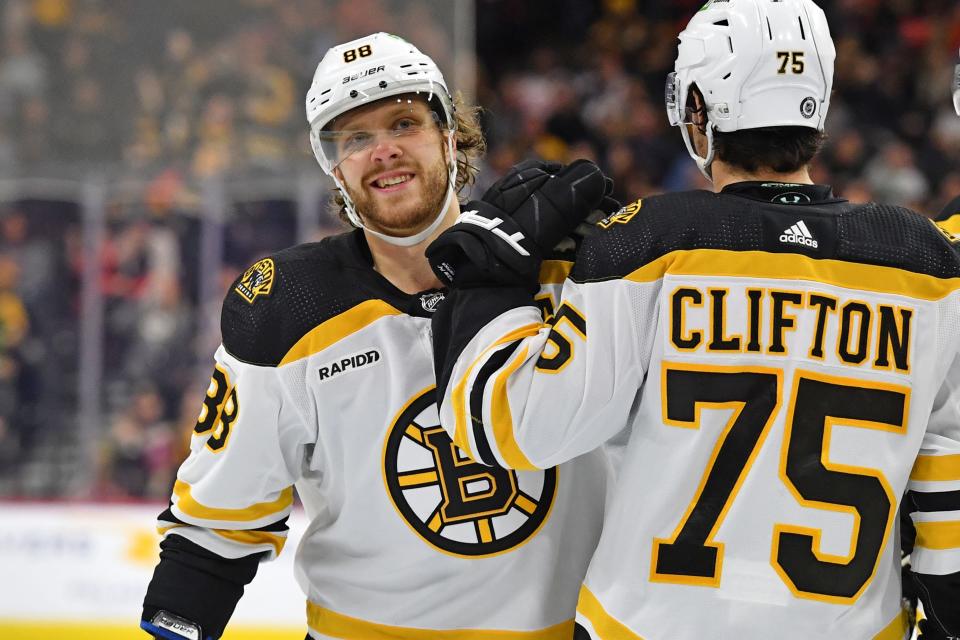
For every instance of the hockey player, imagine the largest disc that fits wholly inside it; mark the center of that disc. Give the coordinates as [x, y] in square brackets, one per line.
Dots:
[324, 381]
[787, 363]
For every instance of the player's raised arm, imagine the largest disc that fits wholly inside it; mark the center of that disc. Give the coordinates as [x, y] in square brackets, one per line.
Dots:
[502, 370]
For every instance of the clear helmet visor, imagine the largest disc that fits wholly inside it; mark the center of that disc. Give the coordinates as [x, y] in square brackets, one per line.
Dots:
[409, 124]
[672, 101]
[956, 89]
[677, 110]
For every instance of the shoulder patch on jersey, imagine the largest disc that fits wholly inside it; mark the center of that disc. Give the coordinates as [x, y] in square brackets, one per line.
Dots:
[951, 237]
[282, 297]
[623, 216]
[257, 280]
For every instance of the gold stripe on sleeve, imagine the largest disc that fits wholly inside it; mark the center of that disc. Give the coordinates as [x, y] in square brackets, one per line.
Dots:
[459, 394]
[253, 537]
[187, 504]
[502, 419]
[938, 535]
[936, 468]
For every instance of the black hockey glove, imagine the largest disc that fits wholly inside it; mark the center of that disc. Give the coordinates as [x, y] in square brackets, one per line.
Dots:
[486, 246]
[502, 238]
[525, 179]
[519, 183]
[931, 631]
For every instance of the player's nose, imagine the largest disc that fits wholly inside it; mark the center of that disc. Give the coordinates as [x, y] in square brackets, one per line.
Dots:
[385, 148]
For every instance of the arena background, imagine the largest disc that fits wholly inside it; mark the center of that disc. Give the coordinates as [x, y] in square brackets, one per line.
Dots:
[150, 151]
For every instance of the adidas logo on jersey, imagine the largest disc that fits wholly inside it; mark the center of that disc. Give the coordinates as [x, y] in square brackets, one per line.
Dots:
[349, 363]
[799, 234]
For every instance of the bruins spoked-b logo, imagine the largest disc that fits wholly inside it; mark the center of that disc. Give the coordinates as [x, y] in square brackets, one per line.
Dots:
[256, 281]
[455, 504]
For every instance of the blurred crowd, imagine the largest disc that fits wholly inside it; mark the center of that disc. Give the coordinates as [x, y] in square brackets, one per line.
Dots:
[170, 94]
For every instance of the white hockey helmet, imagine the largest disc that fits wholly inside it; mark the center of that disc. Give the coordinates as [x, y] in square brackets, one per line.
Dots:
[364, 71]
[758, 63]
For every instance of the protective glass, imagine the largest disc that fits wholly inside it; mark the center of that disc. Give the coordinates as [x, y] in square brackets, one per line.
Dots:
[956, 89]
[408, 127]
[677, 110]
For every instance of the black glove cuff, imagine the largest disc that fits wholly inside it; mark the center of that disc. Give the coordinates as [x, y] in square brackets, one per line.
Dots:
[197, 585]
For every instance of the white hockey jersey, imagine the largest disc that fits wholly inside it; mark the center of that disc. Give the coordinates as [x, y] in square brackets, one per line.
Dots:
[325, 381]
[787, 373]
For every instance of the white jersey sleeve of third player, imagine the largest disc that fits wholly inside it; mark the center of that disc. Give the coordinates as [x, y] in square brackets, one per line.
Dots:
[559, 391]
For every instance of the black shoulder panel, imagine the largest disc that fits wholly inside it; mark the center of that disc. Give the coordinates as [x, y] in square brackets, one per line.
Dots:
[896, 237]
[281, 298]
[870, 234]
[667, 223]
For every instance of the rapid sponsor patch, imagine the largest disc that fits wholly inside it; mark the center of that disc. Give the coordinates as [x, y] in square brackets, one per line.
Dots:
[452, 503]
[349, 363]
[257, 280]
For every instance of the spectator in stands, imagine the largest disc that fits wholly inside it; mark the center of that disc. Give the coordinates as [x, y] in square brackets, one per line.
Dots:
[14, 325]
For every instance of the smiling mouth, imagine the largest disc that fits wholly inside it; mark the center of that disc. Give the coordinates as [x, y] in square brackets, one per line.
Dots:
[392, 181]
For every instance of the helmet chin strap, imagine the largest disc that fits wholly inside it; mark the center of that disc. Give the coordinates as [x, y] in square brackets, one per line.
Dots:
[702, 163]
[408, 241]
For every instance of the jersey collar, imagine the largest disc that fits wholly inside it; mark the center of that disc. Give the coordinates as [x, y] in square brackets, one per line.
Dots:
[422, 303]
[783, 192]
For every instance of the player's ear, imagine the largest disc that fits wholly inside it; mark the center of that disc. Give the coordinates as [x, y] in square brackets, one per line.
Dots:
[338, 174]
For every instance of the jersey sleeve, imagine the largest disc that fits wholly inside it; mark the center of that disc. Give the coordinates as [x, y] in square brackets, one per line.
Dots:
[527, 393]
[933, 502]
[234, 492]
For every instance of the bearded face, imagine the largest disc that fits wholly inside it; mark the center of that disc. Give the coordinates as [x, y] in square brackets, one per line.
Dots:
[394, 165]
[409, 206]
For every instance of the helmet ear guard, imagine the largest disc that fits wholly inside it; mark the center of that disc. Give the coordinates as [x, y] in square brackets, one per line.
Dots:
[757, 63]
